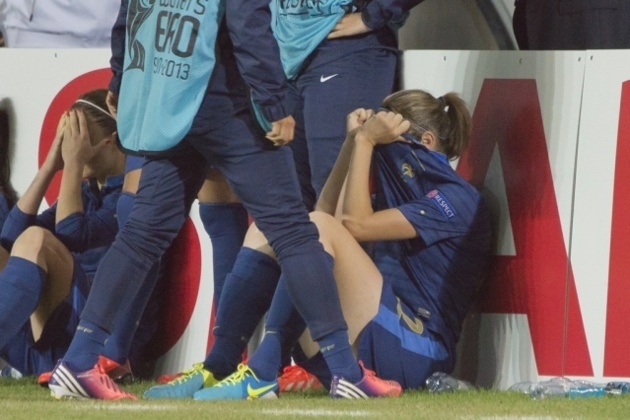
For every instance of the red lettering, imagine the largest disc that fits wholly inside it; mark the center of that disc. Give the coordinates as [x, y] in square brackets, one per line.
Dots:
[538, 281]
[618, 313]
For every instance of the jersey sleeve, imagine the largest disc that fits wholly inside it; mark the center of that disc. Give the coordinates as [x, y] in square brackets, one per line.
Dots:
[379, 13]
[17, 222]
[82, 231]
[257, 55]
[436, 218]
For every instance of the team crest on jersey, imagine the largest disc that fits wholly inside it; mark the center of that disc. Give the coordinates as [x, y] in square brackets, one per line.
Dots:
[407, 170]
[139, 12]
[442, 203]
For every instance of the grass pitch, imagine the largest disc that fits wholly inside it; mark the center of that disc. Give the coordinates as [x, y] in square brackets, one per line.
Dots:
[24, 399]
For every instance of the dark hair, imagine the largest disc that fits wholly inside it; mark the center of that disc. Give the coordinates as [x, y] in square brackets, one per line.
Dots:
[5, 164]
[100, 122]
[447, 117]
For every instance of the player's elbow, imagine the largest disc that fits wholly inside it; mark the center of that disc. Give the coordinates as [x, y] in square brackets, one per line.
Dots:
[356, 227]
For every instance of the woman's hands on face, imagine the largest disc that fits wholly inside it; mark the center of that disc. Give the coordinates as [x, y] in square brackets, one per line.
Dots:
[383, 127]
[357, 118]
[76, 147]
[54, 161]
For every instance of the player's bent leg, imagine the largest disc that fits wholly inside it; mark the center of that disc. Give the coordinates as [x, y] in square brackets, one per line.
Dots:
[41, 247]
[359, 282]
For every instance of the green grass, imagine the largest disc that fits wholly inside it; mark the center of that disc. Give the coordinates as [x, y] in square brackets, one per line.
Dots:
[24, 399]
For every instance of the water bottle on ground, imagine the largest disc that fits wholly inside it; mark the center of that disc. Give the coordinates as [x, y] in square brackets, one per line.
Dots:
[563, 387]
[592, 391]
[442, 382]
[617, 388]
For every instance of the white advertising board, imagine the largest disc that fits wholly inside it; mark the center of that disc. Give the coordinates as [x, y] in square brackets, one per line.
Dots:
[548, 146]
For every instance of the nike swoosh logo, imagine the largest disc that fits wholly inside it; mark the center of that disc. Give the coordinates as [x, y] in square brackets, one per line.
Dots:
[327, 78]
[255, 393]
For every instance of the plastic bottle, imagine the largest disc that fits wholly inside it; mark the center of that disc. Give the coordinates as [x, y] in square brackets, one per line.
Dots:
[617, 388]
[553, 388]
[540, 391]
[441, 382]
[523, 387]
[562, 387]
[9, 372]
[587, 392]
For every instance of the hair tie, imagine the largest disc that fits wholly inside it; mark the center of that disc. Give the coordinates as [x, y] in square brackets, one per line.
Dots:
[93, 105]
[442, 102]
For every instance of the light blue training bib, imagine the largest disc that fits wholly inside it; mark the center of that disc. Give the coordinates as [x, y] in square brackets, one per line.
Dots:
[169, 58]
[299, 26]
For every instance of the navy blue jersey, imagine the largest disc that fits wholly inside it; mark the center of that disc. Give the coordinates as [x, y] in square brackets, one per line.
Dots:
[438, 273]
[87, 235]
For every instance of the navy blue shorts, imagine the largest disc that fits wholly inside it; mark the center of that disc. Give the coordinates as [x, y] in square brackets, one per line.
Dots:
[34, 358]
[396, 345]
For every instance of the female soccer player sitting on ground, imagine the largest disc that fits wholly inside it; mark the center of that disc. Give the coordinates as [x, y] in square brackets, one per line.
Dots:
[54, 255]
[405, 303]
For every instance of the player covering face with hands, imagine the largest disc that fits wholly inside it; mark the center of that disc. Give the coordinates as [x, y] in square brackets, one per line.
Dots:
[405, 301]
[54, 254]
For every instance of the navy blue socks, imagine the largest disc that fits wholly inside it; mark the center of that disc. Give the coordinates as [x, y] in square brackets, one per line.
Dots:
[336, 349]
[284, 325]
[87, 344]
[21, 285]
[246, 298]
[226, 225]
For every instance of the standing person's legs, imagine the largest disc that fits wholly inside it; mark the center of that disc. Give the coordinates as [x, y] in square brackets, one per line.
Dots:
[167, 188]
[119, 344]
[359, 283]
[264, 178]
[247, 295]
[361, 79]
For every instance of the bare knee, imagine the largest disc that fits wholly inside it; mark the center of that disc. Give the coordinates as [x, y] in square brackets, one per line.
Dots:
[323, 220]
[327, 226]
[31, 242]
[42, 247]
